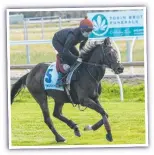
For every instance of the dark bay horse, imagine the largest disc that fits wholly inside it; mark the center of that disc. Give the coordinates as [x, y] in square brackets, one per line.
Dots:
[84, 91]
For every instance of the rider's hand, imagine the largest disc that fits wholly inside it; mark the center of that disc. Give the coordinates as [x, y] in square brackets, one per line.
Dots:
[79, 59]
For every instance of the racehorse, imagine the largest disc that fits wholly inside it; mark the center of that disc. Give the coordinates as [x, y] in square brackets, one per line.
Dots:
[84, 91]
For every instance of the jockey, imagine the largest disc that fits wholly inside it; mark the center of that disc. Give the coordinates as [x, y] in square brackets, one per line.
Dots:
[64, 41]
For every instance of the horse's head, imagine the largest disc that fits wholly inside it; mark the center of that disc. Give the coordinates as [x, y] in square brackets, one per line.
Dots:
[111, 57]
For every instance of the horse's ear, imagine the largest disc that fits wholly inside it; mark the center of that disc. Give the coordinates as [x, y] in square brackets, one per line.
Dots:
[107, 41]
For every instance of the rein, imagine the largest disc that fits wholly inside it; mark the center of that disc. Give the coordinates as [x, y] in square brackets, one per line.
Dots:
[92, 76]
[93, 64]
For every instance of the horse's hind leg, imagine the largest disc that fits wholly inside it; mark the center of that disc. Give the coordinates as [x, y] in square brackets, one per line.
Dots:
[41, 98]
[58, 114]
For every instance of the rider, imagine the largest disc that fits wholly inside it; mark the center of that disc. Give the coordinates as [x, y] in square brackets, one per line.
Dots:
[64, 42]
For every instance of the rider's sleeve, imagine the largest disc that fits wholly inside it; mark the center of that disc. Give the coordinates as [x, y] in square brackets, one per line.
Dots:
[83, 43]
[74, 50]
[69, 42]
[66, 54]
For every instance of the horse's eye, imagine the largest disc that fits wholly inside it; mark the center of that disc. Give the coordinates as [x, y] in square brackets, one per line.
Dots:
[110, 54]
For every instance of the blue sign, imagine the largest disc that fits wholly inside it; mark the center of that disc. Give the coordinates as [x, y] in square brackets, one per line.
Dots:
[117, 24]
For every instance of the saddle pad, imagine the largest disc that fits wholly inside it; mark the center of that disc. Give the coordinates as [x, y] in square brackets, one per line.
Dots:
[52, 79]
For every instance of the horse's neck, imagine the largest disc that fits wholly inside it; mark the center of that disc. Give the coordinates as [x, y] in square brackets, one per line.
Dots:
[96, 71]
[95, 57]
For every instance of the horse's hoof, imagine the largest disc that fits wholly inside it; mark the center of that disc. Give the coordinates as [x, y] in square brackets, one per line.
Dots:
[77, 132]
[60, 139]
[109, 137]
[87, 128]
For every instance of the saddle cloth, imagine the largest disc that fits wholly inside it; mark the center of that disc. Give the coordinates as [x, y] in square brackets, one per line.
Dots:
[53, 79]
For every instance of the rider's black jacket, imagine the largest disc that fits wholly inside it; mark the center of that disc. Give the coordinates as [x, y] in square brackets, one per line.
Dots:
[69, 38]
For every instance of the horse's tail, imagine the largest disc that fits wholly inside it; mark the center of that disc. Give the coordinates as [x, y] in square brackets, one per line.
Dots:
[17, 87]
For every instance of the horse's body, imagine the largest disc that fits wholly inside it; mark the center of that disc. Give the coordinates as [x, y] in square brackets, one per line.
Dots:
[84, 91]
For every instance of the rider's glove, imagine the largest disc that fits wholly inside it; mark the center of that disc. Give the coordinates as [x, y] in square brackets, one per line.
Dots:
[79, 59]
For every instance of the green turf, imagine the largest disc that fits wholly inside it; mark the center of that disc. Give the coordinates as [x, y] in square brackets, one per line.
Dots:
[127, 119]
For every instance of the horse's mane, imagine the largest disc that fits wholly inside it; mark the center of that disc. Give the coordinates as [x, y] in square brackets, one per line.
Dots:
[87, 50]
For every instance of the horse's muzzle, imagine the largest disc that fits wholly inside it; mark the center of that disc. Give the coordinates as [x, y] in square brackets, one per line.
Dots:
[119, 69]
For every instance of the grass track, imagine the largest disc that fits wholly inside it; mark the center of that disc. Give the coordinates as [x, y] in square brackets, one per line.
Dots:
[127, 120]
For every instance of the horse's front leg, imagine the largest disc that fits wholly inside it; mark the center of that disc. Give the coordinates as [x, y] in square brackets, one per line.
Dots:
[97, 101]
[95, 126]
[97, 107]
[99, 123]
